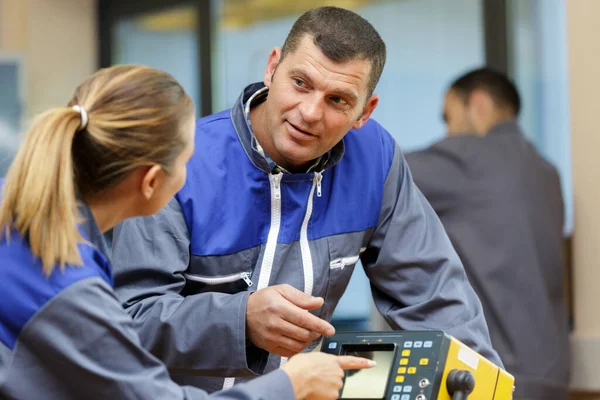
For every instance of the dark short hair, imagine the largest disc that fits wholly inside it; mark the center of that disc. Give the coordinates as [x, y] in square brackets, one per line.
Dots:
[495, 83]
[342, 36]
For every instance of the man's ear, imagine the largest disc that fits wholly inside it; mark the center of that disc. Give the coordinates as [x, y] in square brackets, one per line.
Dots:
[481, 101]
[367, 111]
[151, 181]
[274, 59]
[482, 111]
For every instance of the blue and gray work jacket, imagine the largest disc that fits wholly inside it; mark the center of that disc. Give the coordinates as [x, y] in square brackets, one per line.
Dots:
[237, 226]
[66, 336]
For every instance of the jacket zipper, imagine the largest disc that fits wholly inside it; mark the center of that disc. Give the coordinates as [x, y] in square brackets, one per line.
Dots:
[307, 263]
[218, 280]
[269, 255]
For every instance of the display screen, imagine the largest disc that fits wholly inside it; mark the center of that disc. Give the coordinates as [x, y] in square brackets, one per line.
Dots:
[368, 383]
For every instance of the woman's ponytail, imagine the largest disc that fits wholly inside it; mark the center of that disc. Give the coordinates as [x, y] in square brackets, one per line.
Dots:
[38, 194]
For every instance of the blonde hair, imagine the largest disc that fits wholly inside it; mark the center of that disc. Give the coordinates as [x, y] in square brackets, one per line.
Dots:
[136, 117]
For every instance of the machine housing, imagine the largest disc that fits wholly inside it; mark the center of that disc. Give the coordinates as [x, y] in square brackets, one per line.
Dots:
[414, 365]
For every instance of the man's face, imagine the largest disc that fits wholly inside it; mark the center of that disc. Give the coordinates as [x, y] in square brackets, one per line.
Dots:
[457, 115]
[313, 102]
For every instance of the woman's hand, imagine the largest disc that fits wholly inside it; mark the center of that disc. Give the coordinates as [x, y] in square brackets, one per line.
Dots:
[319, 376]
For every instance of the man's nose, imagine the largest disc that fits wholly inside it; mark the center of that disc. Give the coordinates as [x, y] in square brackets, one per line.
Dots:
[311, 108]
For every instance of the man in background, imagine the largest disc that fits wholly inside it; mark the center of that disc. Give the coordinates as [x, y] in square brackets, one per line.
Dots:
[502, 207]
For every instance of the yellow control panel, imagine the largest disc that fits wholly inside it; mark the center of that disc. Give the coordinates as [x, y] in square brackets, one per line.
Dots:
[418, 365]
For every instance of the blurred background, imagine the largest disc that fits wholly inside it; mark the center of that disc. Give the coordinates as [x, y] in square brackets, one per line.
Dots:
[216, 47]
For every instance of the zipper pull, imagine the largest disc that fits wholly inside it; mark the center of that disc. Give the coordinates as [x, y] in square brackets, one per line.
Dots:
[337, 264]
[319, 178]
[246, 278]
[276, 180]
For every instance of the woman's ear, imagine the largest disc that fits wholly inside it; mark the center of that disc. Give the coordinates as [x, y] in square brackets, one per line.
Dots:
[151, 181]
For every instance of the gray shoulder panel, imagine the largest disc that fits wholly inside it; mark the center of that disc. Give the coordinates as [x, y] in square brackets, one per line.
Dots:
[150, 258]
[82, 345]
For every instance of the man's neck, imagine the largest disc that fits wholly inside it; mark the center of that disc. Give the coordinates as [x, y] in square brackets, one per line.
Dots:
[259, 129]
[498, 120]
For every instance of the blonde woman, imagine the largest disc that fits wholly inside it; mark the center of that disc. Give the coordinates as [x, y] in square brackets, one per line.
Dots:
[118, 150]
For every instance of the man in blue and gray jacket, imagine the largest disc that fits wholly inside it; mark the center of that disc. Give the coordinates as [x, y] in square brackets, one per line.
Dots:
[285, 193]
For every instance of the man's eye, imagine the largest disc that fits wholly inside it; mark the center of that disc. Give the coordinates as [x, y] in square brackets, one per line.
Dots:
[298, 82]
[338, 100]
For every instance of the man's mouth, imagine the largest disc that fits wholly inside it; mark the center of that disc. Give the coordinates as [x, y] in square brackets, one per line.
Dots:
[297, 128]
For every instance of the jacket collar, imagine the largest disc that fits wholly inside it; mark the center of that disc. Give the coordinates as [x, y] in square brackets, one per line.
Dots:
[245, 134]
[506, 127]
[91, 232]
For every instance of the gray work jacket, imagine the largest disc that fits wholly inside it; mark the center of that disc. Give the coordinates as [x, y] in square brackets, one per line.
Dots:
[502, 207]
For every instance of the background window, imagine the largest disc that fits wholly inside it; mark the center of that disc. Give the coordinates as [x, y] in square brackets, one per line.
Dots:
[11, 106]
[166, 40]
[537, 45]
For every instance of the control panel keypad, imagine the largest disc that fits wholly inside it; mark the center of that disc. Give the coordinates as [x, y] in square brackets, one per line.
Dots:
[413, 367]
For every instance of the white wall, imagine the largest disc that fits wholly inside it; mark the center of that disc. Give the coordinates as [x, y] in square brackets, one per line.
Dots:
[56, 42]
[584, 64]
[61, 50]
